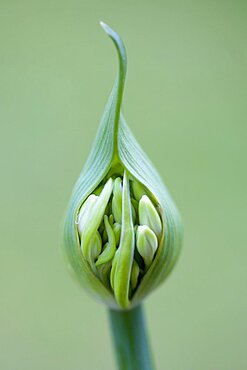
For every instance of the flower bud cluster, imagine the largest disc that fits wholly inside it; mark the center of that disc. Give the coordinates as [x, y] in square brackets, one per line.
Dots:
[120, 228]
[121, 239]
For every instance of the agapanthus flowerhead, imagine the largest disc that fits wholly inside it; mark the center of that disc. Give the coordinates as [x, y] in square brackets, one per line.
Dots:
[122, 229]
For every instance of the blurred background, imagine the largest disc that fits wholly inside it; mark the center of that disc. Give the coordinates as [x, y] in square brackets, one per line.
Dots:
[185, 101]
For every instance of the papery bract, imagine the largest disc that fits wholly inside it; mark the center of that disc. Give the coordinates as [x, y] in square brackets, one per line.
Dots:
[122, 230]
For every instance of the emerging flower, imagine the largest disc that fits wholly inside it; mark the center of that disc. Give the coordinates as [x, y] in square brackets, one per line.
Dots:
[122, 230]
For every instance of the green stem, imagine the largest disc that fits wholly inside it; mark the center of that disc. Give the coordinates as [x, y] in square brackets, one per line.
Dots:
[130, 339]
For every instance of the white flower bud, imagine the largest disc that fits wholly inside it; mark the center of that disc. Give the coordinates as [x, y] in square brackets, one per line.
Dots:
[149, 216]
[146, 244]
[85, 210]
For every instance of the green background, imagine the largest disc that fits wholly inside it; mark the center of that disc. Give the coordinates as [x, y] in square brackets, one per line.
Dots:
[185, 100]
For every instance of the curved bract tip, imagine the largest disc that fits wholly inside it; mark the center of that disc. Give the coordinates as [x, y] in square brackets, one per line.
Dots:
[118, 42]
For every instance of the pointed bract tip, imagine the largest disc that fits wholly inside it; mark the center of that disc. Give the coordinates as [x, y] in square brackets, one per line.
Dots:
[105, 27]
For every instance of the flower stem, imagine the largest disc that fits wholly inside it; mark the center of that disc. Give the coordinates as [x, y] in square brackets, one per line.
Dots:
[130, 339]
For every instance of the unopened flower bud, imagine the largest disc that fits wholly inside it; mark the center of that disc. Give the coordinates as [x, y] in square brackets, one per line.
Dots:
[85, 212]
[134, 275]
[146, 244]
[94, 218]
[122, 229]
[149, 216]
[95, 246]
[138, 190]
[117, 200]
[117, 231]
[110, 247]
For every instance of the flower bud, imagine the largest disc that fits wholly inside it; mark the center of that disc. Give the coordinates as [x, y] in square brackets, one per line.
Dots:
[149, 216]
[138, 190]
[117, 231]
[85, 211]
[146, 244]
[117, 200]
[95, 246]
[110, 247]
[134, 275]
[122, 229]
[94, 218]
